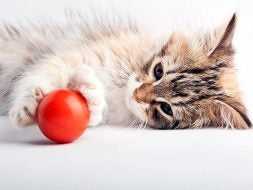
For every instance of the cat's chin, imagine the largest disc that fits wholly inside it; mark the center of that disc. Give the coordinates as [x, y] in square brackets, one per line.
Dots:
[136, 108]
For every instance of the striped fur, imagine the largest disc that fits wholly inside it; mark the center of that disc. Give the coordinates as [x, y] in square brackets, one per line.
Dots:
[199, 84]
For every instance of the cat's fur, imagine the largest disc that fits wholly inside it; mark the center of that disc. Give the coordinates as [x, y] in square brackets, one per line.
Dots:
[112, 64]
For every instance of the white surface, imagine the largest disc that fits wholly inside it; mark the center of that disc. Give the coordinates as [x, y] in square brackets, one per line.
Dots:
[108, 158]
[111, 158]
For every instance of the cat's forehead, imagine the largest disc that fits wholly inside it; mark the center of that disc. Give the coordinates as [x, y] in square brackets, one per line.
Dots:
[180, 53]
[184, 54]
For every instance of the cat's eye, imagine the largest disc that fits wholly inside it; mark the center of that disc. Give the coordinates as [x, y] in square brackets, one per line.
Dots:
[158, 71]
[166, 108]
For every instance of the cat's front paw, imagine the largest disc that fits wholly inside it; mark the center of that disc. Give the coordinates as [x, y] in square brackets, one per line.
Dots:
[23, 111]
[96, 103]
[87, 83]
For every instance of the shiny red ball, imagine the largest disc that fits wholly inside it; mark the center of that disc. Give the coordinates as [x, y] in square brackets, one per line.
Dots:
[63, 115]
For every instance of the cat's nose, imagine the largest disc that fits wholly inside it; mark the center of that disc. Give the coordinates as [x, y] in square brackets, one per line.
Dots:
[145, 93]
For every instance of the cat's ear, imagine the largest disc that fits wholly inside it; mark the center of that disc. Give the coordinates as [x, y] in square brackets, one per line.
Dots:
[224, 36]
[177, 43]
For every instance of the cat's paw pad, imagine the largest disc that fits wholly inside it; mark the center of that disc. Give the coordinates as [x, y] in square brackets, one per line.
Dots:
[24, 109]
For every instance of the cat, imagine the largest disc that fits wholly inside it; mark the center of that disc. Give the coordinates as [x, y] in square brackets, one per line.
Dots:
[125, 74]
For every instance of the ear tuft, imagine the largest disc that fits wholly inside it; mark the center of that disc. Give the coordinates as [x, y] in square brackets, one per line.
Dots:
[225, 36]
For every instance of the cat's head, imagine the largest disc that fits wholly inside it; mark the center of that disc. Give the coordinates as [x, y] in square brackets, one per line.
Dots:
[190, 83]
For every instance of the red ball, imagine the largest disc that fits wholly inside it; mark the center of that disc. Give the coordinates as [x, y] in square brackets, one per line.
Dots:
[63, 115]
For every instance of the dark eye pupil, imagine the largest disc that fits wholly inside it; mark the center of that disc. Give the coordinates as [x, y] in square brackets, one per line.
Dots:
[166, 108]
[158, 71]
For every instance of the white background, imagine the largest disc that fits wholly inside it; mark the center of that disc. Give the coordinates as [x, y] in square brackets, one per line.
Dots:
[109, 158]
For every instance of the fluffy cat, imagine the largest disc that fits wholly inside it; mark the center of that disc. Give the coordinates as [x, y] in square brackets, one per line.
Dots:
[187, 82]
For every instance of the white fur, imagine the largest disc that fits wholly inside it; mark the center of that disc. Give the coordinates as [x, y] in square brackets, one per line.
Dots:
[137, 109]
[50, 75]
[93, 62]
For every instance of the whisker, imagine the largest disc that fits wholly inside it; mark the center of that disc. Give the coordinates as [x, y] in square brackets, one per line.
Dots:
[123, 74]
[145, 124]
[141, 125]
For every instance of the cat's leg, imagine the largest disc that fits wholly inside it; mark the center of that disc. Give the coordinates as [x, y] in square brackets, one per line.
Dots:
[49, 75]
[36, 81]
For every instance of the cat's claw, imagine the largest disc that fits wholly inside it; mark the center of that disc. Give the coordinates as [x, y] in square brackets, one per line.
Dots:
[23, 111]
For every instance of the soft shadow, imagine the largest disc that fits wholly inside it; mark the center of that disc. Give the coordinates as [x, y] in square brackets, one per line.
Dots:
[25, 136]
[40, 142]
